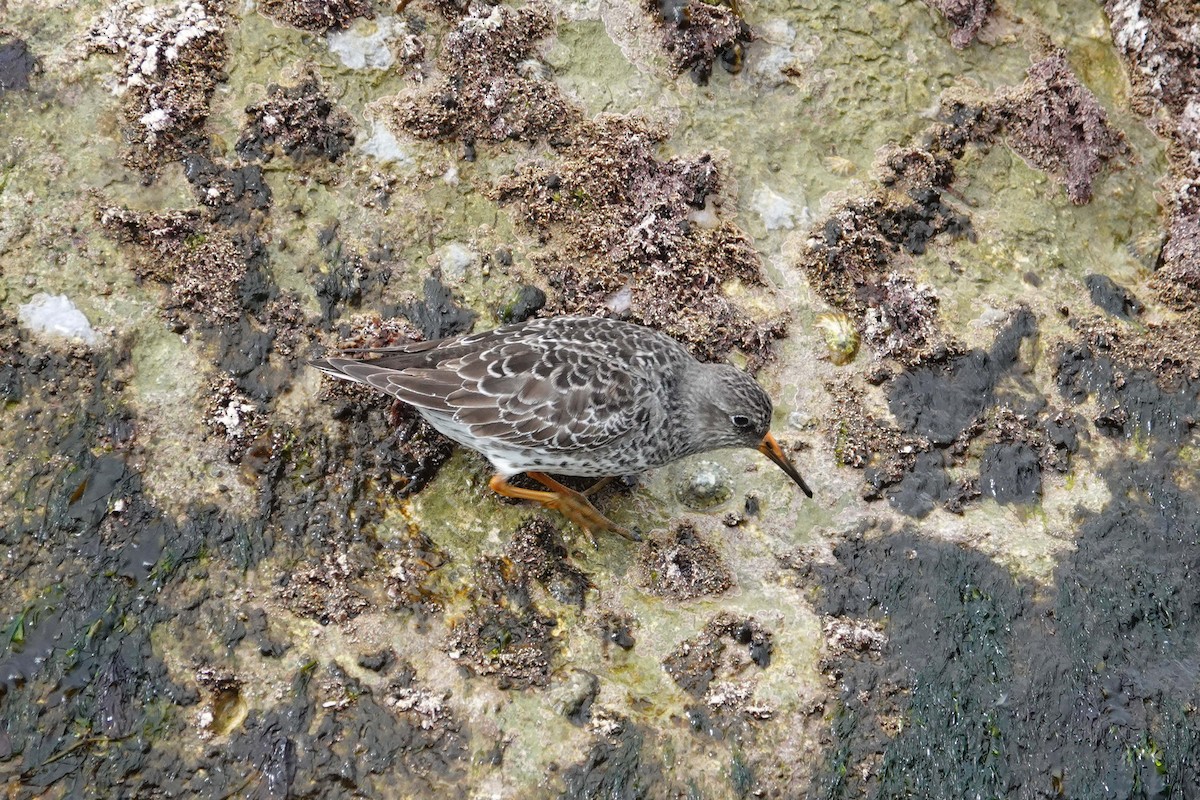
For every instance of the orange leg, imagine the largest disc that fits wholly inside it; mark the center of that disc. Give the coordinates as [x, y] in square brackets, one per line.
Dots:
[568, 502]
[597, 486]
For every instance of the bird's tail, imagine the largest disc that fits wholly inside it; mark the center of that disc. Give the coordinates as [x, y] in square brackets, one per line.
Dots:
[335, 368]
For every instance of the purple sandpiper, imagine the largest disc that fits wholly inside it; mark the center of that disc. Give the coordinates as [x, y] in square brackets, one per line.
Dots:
[578, 396]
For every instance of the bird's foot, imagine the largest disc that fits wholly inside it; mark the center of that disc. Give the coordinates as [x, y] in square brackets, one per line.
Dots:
[568, 502]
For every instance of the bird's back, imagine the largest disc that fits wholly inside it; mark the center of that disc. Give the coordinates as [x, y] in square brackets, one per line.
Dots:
[563, 394]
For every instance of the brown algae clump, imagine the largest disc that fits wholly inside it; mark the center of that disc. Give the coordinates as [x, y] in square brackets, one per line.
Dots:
[683, 566]
[696, 34]
[318, 16]
[626, 234]
[301, 121]
[966, 17]
[1056, 123]
[856, 257]
[487, 91]
[202, 264]
[630, 236]
[1162, 56]
[726, 647]
[174, 56]
[504, 633]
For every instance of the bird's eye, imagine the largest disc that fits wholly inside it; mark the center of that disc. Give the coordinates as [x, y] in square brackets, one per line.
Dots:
[740, 421]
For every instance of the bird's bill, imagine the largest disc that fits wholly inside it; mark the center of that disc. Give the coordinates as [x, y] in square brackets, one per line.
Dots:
[771, 449]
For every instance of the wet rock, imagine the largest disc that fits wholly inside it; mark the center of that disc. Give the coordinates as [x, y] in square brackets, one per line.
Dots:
[683, 566]
[527, 301]
[17, 63]
[573, 699]
[618, 629]
[703, 484]
[380, 661]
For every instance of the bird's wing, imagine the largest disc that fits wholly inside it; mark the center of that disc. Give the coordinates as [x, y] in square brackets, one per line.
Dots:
[522, 387]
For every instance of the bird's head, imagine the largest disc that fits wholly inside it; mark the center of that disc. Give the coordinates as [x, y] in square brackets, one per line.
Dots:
[732, 410]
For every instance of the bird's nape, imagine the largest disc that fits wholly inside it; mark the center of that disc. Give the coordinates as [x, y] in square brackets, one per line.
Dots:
[770, 448]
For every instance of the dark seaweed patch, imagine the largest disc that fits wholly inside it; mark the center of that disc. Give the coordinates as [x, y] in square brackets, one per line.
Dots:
[1011, 473]
[1134, 401]
[363, 742]
[1091, 691]
[939, 401]
[347, 278]
[1087, 690]
[93, 566]
[616, 768]
[924, 487]
[1114, 299]
[81, 683]
[438, 315]
[233, 192]
[943, 403]
[16, 65]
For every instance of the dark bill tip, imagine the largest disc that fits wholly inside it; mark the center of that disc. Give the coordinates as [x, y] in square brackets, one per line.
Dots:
[771, 449]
